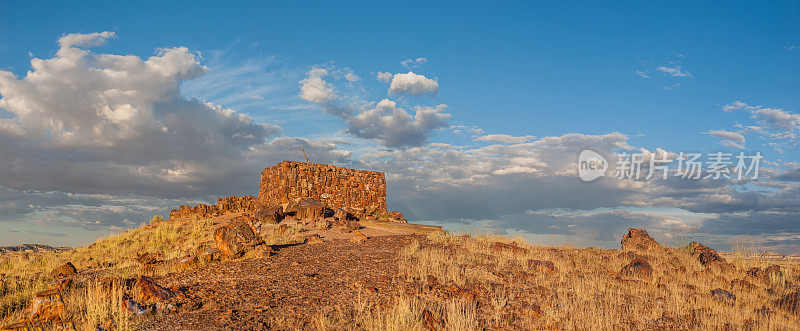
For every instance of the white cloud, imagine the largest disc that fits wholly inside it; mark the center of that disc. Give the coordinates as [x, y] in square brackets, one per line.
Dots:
[385, 77]
[675, 71]
[85, 40]
[413, 84]
[315, 89]
[351, 77]
[642, 74]
[414, 63]
[383, 121]
[780, 126]
[729, 138]
[395, 127]
[504, 138]
[88, 123]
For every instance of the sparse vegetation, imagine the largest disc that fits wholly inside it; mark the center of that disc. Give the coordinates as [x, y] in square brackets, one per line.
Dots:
[458, 282]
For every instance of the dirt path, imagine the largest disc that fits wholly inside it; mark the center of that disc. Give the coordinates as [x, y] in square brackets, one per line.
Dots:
[288, 290]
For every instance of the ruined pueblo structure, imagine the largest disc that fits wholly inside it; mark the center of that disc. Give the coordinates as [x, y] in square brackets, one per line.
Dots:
[361, 193]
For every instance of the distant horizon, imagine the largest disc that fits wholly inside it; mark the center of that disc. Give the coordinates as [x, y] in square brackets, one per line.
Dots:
[478, 114]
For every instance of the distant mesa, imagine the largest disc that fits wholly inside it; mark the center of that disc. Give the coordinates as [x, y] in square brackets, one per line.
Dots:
[31, 248]
[360, 193]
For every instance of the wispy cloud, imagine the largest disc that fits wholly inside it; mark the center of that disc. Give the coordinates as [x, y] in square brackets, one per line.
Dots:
[414, 63]
[676, 71]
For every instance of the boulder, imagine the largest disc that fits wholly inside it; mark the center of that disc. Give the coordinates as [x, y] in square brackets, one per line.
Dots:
[148, 291]
[773, 272]
[252, 222]
[638, 240]
[272, 214]
[65, 270]
[542, 266]
[306, 208]
[135, 308]
[342, 215]
[723, 296]
[358, 237]
[235, 239]
[706, 255]
[637, 268]
[47, 306]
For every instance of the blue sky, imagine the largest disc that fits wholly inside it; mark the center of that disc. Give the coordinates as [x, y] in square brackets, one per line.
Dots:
[659, 75]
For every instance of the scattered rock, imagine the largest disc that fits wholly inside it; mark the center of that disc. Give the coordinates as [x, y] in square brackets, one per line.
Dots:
[637, 268]
[773, 272]
[323, 224]
[148, 291]
[429, 322]
[265, 252]
[764, 311]
[359, 237]
[148, 258]
[638, 240]
[704, 254]
[513, 248]
[211, 255]
[742, 285]
[314, 239]
[630, 255]
[542, 266]
[135, 308]
[65, 270]
[789, 302]
[186, 262]
[352, 226]
[235, 239]
[723, 296]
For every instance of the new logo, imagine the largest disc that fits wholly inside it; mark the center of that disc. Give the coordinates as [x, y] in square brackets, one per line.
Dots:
[591, 165]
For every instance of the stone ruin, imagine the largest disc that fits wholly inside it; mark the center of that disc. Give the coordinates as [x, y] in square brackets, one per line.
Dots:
[361, 193]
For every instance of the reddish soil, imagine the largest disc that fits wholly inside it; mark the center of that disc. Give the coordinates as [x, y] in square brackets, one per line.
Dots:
[287, 290]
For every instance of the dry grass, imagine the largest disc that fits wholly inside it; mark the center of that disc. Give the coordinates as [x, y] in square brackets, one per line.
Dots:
[24, 274]
[585, 292]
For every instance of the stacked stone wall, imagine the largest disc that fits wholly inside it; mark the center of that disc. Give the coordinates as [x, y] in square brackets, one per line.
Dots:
[360, 192]
[231, 204]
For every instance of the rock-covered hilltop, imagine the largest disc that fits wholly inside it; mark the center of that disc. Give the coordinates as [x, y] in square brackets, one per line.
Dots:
[359, 193]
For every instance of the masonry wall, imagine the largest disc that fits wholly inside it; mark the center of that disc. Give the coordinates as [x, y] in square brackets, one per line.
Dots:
[357, 191]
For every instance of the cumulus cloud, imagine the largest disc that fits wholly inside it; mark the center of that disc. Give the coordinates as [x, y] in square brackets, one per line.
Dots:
[315, 89]
[413, 84]
[385, 77]
[383, 121]
[395, 127]
[117, 129]
[85, 39]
